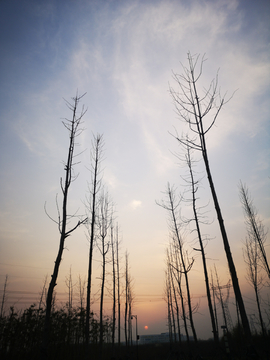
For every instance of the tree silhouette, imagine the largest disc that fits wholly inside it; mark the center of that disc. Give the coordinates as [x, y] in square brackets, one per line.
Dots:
[74, 130]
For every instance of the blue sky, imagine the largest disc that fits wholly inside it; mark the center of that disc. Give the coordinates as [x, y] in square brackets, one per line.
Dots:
[122, 54]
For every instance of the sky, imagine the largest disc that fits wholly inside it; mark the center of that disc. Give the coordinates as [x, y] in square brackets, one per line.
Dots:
[122, 54]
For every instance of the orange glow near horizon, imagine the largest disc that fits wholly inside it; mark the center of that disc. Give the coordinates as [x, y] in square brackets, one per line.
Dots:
[146, 327]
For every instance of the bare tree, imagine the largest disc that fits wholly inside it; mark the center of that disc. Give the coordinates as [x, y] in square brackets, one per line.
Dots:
[91, 208]
[224, 301]
[81, 287]
[74, 130]
[118, 286]
[113, 241]
[103, 224]
[251, 257]
[43, 293]
[255, 227]
[214, 301]
[171, 269]
[129, 298]
[194, 186]
[171, 312]
[70, 286]
[168, 301]
[4, 297]
[172, 206]
[199, 112]
[178, 276]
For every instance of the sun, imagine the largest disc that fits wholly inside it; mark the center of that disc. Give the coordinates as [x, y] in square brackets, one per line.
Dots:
[146, 327]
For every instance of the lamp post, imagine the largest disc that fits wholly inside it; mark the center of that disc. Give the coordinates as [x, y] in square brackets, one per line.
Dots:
[137, 337]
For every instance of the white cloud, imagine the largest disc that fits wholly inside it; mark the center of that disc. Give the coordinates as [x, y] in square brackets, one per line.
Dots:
[135, 204]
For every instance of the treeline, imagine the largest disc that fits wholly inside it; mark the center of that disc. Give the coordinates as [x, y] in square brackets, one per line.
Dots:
[198, 108]
[21, 332]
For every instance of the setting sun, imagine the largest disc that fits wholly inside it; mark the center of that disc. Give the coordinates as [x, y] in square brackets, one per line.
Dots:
[146, 327]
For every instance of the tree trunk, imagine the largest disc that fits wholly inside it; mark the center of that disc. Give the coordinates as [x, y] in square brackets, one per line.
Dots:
[193, 190]
[97, 150]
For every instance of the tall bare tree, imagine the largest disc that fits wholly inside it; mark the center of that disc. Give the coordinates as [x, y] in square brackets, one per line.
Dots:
[91, 208]
[172, 206]
[74, 129]
[255, 227]
[103, 224]
[200, 111]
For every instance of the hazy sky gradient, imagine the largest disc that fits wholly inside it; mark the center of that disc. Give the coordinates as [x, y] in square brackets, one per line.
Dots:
[122, 53]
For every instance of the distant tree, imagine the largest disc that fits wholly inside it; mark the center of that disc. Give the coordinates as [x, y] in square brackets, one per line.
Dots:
[223, 301]
[178, 277]
[172, 206]
[171, 312]
[81, 285]
[251, 257]
[4, 297]
[199, 112]
[74, 130]
[103, 225]
[91, 208]
[70, 286]
[255, 228]
[114, 234]
[171, 270]
[214, 301]
[129, 299]
[43, 293]
[118, 286]
[168, 301]
[194, 185]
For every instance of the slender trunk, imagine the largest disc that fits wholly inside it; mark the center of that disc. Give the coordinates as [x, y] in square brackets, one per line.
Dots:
[193, 189]
[236, 287]
[114, 289]
[92, 237]
[168, 306]
[4, 297]
[259, 310]
[126, 312]
[118, 289]
[178, 280]
[215, 308]
[171, 303]
[101, 329]
[177, 308]
[185, 271]
[96, 158]
[126, 303]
